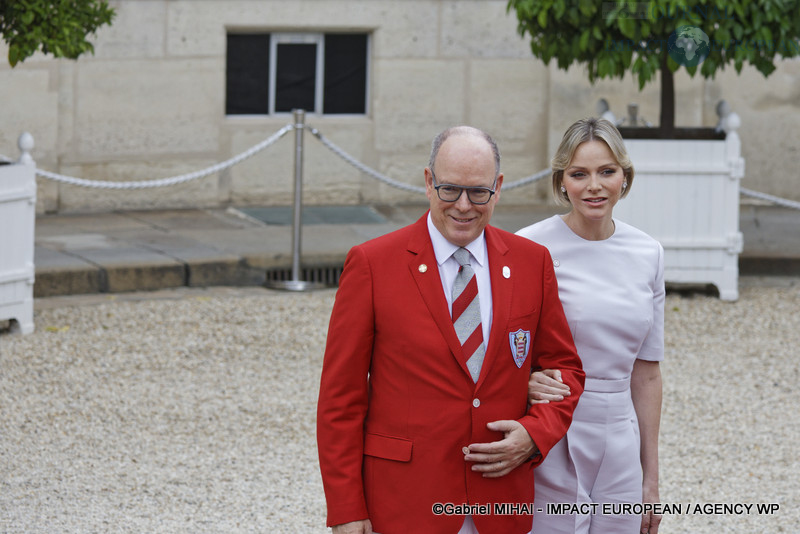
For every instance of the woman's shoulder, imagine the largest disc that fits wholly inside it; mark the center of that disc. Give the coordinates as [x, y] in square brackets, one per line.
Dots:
[541, 229]
[635, 238]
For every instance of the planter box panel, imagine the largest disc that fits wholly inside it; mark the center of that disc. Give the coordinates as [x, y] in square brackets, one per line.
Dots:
[686, 195]
[17, 219]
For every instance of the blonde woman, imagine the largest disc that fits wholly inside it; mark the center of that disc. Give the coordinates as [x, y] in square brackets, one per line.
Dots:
[611, 284]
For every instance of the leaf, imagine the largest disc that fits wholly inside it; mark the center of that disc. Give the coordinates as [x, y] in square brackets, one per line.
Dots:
[583, 43]
[627, 27]
[766, 68]
[13, 55]
[542, 18]
[587, 7]
[604, 67]
[757, 17]
[672, 65]
[559, 8]
[722, 36]
[709, 67]
[644, 28]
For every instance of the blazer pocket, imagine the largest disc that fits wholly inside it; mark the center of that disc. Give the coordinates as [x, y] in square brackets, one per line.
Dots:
[527, 320]
[387, 447]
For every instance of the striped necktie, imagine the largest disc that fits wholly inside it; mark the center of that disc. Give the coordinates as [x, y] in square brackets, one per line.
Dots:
[467, 313]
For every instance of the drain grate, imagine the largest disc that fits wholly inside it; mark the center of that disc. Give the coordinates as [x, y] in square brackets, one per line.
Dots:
[326, 274]
[283, 215]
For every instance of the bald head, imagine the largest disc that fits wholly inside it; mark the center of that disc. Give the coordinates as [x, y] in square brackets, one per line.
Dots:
[454, 131]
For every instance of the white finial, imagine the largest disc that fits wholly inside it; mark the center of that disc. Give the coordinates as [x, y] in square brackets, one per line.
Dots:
[25, 144]
[723, 108]
[723, 112]
[731, 122]
[604, 112]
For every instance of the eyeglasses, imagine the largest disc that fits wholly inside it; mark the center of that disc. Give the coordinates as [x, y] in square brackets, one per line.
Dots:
[451, 193]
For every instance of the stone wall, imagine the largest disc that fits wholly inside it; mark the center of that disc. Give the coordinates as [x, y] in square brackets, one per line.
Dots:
[151, 104]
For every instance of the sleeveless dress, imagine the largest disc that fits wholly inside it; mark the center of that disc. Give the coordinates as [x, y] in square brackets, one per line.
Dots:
[613, 297]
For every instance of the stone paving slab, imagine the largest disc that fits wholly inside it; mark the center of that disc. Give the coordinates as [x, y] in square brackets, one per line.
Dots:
[148, 250]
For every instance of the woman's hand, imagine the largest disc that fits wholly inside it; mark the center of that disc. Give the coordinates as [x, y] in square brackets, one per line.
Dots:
[546, 386]
[651, 520]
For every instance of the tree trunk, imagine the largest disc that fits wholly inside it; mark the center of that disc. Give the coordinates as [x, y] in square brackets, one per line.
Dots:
[667, 122]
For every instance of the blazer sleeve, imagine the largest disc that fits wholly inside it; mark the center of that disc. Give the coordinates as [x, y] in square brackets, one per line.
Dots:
[343, 394]
[553, 348]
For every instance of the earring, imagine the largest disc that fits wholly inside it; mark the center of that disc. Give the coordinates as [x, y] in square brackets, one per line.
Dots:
[624, 185]
[563, 189]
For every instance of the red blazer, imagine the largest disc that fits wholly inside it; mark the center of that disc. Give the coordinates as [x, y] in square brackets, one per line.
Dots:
[397, 403]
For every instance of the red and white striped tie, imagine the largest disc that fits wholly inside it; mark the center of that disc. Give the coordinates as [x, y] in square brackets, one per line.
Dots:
[467, 313]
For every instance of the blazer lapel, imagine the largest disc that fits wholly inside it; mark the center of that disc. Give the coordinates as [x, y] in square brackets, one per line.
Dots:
[502, 278]
[424, 270]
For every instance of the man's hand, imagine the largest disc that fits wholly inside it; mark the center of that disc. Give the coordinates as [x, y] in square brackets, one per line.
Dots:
[356, 527]
[546, 386]
[498, 458]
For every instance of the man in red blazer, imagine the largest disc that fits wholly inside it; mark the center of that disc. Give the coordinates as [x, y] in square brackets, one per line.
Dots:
[409, 440]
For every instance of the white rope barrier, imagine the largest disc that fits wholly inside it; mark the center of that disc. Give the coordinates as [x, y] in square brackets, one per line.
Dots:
[360, 166]
[770, 198]
[400, 185]
[163, 182]
[529, 180]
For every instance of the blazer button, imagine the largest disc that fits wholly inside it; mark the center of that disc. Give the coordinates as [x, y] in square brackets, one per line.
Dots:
[465, 450]
[476, 402]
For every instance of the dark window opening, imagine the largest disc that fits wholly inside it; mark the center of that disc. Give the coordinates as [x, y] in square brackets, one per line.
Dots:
[299, 77]
[345, 73]
[296, 81]
[247, 74]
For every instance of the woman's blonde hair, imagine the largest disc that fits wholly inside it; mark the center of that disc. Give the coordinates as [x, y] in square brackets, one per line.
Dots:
[581, 132]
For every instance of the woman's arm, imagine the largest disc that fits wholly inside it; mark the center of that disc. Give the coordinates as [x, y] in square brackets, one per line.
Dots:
[646, 394]
[546, 386]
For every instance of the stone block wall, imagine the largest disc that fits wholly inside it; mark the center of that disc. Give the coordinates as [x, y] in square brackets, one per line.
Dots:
[151, 104]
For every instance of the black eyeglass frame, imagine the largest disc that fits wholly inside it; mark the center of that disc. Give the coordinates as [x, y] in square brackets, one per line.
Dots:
[461, 190]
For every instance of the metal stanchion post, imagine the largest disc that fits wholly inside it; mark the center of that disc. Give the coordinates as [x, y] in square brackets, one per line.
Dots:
[295, 284]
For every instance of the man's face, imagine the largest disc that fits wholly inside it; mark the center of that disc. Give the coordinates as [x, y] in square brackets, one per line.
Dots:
[466, 161]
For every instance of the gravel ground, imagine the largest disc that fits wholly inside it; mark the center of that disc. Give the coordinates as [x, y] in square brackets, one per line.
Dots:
[193, 411]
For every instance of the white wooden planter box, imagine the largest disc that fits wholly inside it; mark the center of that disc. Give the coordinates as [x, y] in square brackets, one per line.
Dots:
[686, 195]
[17, 220]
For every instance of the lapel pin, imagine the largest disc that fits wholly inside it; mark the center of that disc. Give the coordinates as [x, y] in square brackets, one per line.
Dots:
[556, 263]
[506, 272]
[423, 267]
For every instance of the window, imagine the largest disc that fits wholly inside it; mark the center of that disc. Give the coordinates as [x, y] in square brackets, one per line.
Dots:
[279, 72]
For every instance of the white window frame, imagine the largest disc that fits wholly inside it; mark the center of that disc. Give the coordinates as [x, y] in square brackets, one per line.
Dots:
[297, 38]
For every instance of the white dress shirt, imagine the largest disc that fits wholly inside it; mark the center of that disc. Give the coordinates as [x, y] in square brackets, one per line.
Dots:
[448, 269]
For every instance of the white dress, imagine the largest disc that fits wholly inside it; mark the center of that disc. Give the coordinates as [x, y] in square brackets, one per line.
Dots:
[613, 297]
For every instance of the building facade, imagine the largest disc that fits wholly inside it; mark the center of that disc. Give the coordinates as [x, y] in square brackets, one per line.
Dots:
[175, 86]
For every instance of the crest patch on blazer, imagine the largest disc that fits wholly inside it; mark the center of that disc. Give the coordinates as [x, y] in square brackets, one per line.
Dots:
[520, 343]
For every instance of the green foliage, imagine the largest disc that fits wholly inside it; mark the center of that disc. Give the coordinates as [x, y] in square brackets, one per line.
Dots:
[615, 37]
[57, 27]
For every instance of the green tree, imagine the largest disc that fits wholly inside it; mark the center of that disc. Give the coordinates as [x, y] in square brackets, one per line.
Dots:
[57, 27]
[644, 38]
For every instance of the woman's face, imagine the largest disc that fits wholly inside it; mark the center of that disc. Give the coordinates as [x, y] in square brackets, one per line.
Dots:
[593, 180]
